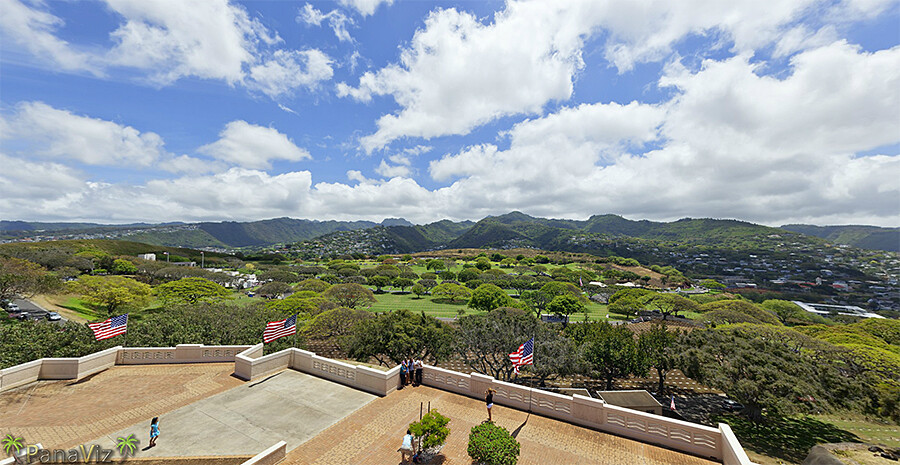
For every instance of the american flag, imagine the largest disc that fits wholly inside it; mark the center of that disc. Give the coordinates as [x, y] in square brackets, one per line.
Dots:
[672, 404]
[523, 356]
[280, 328]
[111, 327]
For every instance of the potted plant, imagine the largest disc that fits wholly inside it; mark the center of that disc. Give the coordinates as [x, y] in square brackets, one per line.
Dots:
[431, 432]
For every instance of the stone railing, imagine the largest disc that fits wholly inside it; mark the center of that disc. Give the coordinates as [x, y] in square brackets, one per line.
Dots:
[182, 353]
[719, 443]
[57, 368]
[250, 365]
[77, 368]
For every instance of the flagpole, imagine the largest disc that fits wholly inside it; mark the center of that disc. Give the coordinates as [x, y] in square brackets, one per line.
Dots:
[296, 315]
[531, 379]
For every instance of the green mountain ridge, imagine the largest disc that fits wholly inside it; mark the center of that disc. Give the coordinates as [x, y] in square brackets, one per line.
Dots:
[864, 237]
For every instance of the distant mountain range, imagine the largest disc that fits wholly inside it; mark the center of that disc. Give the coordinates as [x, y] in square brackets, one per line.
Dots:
[513, 229]
[864, 237]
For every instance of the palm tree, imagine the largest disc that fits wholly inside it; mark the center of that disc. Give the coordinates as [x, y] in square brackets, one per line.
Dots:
[11, 442]
[127, 446]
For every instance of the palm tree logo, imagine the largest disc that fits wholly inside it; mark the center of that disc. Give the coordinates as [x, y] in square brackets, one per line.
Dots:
[127, 446]
[12, 444]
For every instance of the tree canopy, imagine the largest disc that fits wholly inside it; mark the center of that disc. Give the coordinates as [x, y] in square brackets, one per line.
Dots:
[488, 297]
[350, 295]
[190, 291]
[112, 292]
[397, 335]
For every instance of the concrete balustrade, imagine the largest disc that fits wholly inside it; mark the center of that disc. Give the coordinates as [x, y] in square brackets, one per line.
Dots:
[250, 365]
[57, 368]
[716, 443]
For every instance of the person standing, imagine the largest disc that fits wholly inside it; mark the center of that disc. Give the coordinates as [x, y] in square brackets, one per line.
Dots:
[407, 447]
[403, 373]
[410, 370]
[489, 400]
[154, 431]
[420, 367]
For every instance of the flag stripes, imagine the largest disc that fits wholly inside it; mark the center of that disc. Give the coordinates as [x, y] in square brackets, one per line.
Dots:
[523, 356]
[280, 328]
[111, 327]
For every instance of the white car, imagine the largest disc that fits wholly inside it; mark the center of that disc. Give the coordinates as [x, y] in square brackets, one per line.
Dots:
[12, 308]
[53, 316]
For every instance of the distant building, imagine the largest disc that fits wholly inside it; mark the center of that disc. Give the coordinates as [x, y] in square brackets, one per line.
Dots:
[849, 310]
[148, 256]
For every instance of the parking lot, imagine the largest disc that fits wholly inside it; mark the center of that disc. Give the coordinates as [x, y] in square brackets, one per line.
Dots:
[26, 309]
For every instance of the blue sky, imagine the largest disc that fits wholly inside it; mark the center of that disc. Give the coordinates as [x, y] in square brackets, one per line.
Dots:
[161, 110]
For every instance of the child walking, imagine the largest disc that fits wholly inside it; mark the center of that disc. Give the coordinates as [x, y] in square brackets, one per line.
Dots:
[154, 431]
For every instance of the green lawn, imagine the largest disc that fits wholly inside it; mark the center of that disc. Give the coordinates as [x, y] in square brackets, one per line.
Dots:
[387, 302]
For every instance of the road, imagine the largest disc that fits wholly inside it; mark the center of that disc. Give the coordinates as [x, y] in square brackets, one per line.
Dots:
[32, 308]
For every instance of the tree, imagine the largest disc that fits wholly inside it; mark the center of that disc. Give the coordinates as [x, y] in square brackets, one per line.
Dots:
[402, 283]
[350, 295]
[395, 336]
[307, 302]
[565, 305]
[488, 297]
[467, 274]
[712, 284]
[521, 284]
[789, 312]
[454, 293]
[507, 262]
[419, 290]
[764, 368]
[112, 292]
[428, 284]
[278, 274]
[737, 311]
[273, 289]
[669, 304]
[658, 346]
[483, 264]
[122, 266]
[492, 445]
[435, 264]
[446, 275]
[379, 282]
[312, 284]
[23, 278]
[485, 341]
[555, 355]
[612, 353]
[336, 322]
[190, 291]
[431, 430]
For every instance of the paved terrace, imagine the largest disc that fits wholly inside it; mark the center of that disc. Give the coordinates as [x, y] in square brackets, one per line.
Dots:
[204, 410]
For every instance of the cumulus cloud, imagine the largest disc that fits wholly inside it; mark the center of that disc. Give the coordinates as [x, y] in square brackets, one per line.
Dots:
[365, 7]
[168, 40]
[42, 130]
[731, 144]
[392, 171]
[173, 39]
[251, 146]
[287, 71]
[337, 20]
[459, 72]
[34, 31]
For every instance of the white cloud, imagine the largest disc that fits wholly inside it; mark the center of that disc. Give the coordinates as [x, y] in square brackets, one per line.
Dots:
[172, 39]
[39, 186]
[365, 7]
[33, 30]
[251, 146]
[287, 71]
[459, 72]
[337, 20]
[42, 130]
[393, 171]
[167, 40]
[732, 144]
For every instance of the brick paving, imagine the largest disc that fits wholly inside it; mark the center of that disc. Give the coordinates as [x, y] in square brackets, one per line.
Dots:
[373, 433]
[63, 414]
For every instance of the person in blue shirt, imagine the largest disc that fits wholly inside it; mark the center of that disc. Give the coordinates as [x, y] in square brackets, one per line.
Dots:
[403, 370]
[154, 431]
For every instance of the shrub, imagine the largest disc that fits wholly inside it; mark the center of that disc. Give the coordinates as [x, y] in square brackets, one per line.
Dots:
[493, 445]
[432, 429]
